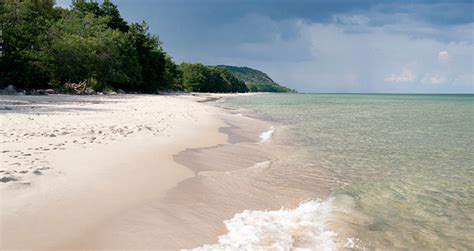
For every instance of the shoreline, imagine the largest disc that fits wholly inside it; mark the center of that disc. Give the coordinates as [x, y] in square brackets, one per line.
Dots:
[84, 186]
[190, 214]
[201, 170]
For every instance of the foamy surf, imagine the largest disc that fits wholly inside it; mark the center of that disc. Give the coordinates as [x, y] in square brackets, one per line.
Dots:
[302, 228]
[264, 136]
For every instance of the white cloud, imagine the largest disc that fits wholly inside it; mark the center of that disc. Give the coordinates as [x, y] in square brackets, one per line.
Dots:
[406, 75]
[369, 59]
[342, 57]
[443, 56]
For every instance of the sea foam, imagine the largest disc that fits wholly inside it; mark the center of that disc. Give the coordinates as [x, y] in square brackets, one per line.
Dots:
[302, 228]
[264, 136]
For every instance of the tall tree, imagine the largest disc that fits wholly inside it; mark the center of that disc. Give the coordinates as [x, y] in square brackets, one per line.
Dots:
[24, 25]
[151, 57]
[106, 9]
[85, 7]
[96, 54]
[116, 21]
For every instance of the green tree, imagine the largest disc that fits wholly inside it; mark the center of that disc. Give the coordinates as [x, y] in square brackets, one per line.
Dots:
[151, 57]
[200, 78]
[85, 7]
[24, 24]
[173, 76]
[236, 84]
[116, 21]
[194, 75]
[74, 47]
[106, 9]
[84, 48]
[47, 46]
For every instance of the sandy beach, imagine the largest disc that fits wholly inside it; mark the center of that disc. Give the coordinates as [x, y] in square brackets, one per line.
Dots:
[71, 164]
[131, 171]
[145, 172]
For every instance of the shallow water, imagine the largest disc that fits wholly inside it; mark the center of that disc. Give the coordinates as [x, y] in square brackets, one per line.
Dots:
[400, 168]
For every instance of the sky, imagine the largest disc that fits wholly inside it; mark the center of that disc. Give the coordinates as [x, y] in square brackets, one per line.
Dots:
[363, 46]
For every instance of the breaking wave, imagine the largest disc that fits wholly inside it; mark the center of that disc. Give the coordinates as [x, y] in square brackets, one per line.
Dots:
[302, 228]
[264, 136]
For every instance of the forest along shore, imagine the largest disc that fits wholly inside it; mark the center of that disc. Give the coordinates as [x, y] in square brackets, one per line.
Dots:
[69, 164]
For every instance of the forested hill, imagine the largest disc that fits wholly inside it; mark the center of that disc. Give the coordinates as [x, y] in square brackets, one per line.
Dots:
[256, 80]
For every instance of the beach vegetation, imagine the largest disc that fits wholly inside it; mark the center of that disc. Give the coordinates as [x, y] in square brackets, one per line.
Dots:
[201, 78]
[47, 46]
[256, 80]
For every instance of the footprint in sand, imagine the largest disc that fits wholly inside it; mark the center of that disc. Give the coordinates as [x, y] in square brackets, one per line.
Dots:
[6, 179]
[38, 171]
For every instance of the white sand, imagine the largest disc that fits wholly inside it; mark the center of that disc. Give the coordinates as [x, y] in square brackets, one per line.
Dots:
[71, 164]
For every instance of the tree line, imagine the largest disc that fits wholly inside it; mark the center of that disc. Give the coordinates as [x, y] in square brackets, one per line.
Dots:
[45, 46]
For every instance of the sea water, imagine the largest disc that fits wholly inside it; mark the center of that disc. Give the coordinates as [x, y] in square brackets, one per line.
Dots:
[400, 171]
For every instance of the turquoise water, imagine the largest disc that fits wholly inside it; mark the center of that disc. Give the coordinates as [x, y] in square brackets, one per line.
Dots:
[407, 161]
